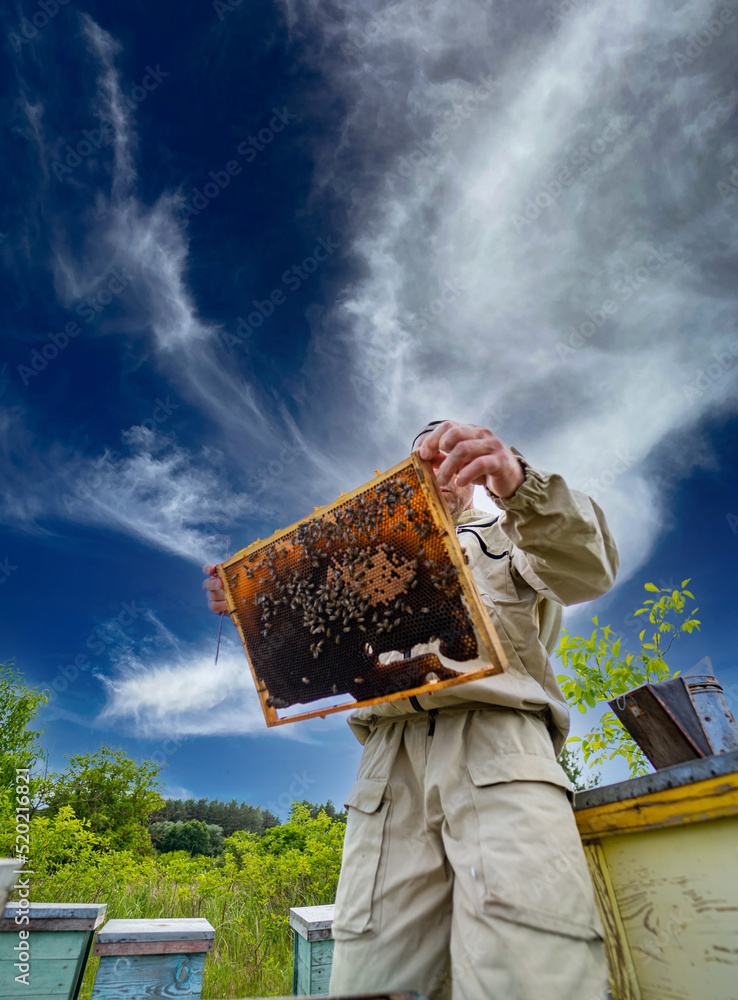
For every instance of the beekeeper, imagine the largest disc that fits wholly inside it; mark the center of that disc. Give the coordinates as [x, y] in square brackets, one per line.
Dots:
[463, 874]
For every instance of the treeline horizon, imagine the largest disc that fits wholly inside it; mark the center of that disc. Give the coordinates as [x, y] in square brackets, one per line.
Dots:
[230, 816]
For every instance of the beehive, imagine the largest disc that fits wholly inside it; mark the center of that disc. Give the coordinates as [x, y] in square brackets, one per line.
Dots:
[370, 597]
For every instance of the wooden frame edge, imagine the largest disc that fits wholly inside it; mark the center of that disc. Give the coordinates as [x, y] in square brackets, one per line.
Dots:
[472, 675]
[472, 597]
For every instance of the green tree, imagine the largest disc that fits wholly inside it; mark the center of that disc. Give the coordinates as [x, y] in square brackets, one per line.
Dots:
[230, 816]
[113, 793]
[600, 672]
[314, 810]
[20, 746]
[573, 769]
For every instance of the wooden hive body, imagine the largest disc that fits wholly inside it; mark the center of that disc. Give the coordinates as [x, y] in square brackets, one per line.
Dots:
[370, 597]
[58, 937]
[152, 958]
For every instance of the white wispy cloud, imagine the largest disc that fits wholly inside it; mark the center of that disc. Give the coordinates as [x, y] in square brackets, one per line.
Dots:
[185, 694]
[154, 491]
[479, 281]
[480, 263]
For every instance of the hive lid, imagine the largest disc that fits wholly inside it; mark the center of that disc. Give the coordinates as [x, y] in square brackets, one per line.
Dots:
[176, 929]
[311, 918]
[54, 916]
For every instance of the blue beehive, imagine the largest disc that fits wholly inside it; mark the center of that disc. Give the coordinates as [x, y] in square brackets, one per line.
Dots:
[313, 949]
[57, 938]
[155, 958]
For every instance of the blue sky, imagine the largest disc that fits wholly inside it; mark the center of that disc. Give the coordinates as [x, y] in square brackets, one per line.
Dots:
[248, 249]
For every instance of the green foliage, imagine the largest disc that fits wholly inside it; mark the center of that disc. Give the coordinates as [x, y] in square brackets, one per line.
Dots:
[314, 810]
[573, 769]
[246, 893]
[20, 746]
[192, 836]
[602, 671]
[230, 816]
[113, 793]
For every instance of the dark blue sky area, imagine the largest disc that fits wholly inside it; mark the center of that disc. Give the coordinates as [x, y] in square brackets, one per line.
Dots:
[226, 245]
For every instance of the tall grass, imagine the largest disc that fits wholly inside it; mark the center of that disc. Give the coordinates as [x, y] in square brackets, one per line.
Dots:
[246, 895]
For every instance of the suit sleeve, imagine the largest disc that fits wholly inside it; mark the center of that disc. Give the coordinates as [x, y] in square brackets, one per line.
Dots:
[562, 546]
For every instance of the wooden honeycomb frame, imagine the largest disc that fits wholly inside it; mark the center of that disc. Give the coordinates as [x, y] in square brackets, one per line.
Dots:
[247, 574]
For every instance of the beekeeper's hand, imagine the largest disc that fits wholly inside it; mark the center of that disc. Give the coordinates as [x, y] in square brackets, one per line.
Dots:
[214, 587]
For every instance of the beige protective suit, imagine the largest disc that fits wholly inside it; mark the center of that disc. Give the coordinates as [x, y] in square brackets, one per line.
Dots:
[463, 874]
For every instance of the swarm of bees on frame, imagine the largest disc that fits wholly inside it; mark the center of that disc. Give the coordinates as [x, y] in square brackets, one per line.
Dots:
[319, 606]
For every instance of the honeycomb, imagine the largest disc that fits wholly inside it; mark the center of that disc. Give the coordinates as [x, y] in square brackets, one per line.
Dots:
[335, 604]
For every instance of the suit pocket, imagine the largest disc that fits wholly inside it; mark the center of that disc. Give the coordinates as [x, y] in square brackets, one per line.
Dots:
[534, 869]
[369, 805]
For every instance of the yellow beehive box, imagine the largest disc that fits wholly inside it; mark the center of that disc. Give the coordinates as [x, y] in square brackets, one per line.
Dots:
[663, 854]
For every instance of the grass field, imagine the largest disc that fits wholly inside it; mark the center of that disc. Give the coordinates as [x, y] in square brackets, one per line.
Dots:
[246, 895]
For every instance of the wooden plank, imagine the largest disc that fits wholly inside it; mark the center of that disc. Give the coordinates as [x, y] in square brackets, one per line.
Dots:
[157, 929]
[304, 919]
[46, 944]
[688, 773]
[295, 969]
[31, 996]
[680, 806]
[677, 894]
[91, 913]
[82, 964]
[319, 979]
[49, 977]
[320, 713]
[321, 953]
[623, 978]
[149, 977]
[152, 947]
[56, 926]
[473, 598]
